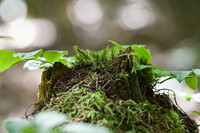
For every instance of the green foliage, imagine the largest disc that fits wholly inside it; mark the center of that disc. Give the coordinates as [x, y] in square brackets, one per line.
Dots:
[7, 59]
[54, 56]
[174, 122]
[192, 82]
[34, 61]
[84, 128]
[141, 58]
[117, 45]
[6, 37]
[17, 127]
[196, 112]
[91, 58]
[197, 72]
[45, 121]
[138, 55]
[188, 96]
[82, 105]
[51, 122]
[190, 77]
[142, 53]
[30, 55]
[180, 75]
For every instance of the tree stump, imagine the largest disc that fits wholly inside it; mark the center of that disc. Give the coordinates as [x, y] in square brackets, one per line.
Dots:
[104, 89]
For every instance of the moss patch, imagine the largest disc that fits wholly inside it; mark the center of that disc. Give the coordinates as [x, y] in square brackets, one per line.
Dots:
[82, 105]
[113, 88]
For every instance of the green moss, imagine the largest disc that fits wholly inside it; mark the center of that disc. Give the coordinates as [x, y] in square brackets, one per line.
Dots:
[116, 92]
[46, 87]
[82, 105]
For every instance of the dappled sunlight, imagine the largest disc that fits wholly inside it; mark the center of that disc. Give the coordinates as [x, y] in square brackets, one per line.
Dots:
[24, 33]
[11, 10]
[46, 33]
[86, 14]
[29, 33]
[135, 16]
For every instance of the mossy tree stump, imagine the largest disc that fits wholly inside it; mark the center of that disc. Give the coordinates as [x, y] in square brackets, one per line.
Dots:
[107, 88]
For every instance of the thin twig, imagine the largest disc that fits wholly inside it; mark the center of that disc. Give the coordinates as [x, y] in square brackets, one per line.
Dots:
[165, 80]
[74, 87]
[97, 86]
[106, 84]
[174, 98]
[25, 114]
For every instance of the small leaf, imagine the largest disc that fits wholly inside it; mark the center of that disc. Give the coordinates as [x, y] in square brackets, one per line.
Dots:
[158, 68]
[42, 59]
[142, 53]
[45, 65]
[140, 67]
[192, 82]
[198, 113]
[117, 45]
[196, 71]
[17, 126]
[84, 128]
[180, 75]
[6, 37]
[63, 61]
[188, 96]
[52, 55]
[33, 65]
[47, 120]
[7, 60]
[29, 55]
[161, 73]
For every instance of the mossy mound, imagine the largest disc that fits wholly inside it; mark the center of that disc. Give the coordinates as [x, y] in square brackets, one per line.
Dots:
[109, 88]
[82, 105]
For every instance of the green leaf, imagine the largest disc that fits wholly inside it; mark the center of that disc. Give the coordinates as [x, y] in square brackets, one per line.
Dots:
[192, 82]
[17, 126]
[140, 67]
[33, 65]
[84, 128]
[198, 113]
[180, 75]
[188, 96]
[52, 55]
[29, 55]
[158, 68]
[6, 37]
[142, 53]
[42, 59]
[161, 73]
[117, 45]
[196, 71]
[64, 62]
[7, 60]
[47, 120]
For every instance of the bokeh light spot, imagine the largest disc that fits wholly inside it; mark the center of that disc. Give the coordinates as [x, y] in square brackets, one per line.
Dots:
[11, 10]
[136, 16]
[46, 32]
[24, 33]
[87, 14]
[181, 58]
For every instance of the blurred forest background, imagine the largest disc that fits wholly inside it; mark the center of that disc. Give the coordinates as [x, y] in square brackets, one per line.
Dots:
[170, 28]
